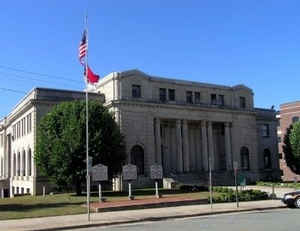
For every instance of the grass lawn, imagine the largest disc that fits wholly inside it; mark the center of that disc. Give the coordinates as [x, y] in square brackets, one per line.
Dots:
[67, 204]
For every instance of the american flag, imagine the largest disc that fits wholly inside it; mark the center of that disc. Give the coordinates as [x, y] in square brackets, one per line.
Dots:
[82, 48]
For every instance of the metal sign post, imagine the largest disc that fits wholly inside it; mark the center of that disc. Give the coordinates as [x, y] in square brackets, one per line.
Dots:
[210, 185]
[235, 166]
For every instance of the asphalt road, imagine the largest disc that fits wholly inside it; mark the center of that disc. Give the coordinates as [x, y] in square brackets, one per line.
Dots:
[273, 220]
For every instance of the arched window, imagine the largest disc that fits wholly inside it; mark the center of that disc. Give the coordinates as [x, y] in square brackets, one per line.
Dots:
[18, 164]
[137, 158]
[267, 158]
[14, 164]
[23, 163]
[245, 163]
[295, 119]
[29, 163]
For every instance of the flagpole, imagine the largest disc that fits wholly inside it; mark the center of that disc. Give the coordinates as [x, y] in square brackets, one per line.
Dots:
[87, 125]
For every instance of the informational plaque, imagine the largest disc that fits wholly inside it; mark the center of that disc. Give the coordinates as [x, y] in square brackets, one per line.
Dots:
[99, 172]
[129, 172]
[156, 171]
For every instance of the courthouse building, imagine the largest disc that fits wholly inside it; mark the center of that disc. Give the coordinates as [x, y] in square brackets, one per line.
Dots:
[187, 127]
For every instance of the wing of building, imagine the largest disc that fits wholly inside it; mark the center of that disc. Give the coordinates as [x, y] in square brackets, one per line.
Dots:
[184, 126]
[289, 113]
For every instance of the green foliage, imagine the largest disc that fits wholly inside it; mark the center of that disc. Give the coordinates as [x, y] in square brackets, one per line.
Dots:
[291, 147]
[278, 184]
[61, 143]
[294, 137]
[228, 195]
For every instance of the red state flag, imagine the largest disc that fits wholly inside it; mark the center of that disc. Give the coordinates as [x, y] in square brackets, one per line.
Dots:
[91, 77]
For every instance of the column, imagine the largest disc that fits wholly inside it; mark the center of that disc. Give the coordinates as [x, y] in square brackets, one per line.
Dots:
[204, 145]
[186, 153]
[211, 145]
[158, 141]
[179, 146]
[228, 147]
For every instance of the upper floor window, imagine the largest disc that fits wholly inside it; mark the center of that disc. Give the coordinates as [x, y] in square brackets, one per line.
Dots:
[213, 99]
[197, 97]
[242, 102]
[171, 94]
[295, 119]
[136, 91]
[29, 123]
[221, 100]
[162, 94]
[265, 130]
[189, 97]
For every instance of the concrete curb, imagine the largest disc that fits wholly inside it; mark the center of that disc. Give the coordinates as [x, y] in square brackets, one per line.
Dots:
[158, 218]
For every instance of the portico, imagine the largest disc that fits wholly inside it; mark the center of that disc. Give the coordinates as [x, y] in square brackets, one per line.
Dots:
[185, 146]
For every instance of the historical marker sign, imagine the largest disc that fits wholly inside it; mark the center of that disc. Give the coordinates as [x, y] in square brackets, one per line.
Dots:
[99, 172]
[156, 171]
[129, 172]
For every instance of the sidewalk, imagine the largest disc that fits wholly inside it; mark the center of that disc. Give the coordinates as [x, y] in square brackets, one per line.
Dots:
[130, 216]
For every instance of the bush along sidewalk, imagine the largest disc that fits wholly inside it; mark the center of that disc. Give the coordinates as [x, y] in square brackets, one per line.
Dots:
[279, 184]
[228, 195]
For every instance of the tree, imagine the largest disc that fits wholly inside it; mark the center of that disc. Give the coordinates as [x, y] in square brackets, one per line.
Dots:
[291, 147]
[61, 143]
[295, 144]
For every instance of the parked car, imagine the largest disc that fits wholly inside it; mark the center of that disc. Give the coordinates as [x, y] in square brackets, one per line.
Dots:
[292, 199]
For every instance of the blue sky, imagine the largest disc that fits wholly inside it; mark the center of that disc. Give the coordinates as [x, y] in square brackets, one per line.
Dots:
[255, 43]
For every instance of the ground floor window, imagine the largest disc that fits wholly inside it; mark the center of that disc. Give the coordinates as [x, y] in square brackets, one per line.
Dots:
[267, 159]
[245, 163]
[137, 158]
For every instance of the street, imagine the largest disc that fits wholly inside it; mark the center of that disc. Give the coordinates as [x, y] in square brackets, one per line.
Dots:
[275, 220]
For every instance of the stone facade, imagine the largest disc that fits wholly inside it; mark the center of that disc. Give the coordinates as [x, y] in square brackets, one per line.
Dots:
[18, 173]
[288, 114]
[182, 125]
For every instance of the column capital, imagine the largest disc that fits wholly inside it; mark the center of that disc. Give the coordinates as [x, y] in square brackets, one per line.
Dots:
[227, 124]
[203, 123]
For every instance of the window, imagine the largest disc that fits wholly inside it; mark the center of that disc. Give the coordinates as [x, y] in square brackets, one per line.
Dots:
[245, 165]
[280, 155]
[162, 94]
[189, 97]
[213, 99]
[267, 159]
[137, 158]
[221, 100]
[295, 119]
[265, 130]
[242, 102]
[136, 91]
[29, 123]
[172, 94]
[197, 97]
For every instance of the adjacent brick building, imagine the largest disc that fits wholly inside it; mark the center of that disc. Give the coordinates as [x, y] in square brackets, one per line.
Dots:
[289, 113]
